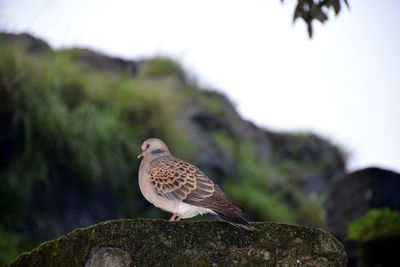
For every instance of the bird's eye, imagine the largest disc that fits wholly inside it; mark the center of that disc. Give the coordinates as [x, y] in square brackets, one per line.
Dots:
[147, 146]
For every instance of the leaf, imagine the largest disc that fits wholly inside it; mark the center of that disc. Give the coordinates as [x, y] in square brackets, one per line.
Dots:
[336, 6]
[317, 13]
[309, 29]
[315, 9]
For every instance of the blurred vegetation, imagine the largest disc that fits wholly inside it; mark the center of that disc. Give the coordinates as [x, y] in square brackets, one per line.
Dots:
[375, 224]
[64, 120]
[70, 134]
[161, 67]
[10, 246]
[254, 191]
[265, 200]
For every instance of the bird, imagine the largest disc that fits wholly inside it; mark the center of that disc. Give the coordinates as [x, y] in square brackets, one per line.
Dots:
[181, 188]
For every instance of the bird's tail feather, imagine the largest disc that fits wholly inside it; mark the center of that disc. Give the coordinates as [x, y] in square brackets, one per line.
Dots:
[235, 219]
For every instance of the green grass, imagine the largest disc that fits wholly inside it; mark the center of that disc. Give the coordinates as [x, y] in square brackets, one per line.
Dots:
[159, 67]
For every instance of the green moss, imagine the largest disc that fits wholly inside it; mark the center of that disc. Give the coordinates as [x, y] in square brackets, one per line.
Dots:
[375, 224]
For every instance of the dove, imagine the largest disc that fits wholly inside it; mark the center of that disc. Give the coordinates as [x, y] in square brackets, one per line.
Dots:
[181, 188]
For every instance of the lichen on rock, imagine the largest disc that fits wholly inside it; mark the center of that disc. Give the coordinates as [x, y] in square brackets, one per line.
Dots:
[108, 257]
[147, 242]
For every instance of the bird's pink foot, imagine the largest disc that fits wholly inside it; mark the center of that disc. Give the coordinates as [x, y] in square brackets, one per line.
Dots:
[173, 217]
[178, 218]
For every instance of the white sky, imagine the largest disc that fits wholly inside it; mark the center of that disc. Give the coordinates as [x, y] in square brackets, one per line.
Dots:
[344, 84]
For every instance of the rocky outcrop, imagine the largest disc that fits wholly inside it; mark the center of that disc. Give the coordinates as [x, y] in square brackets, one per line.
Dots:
[203, 121]
[188, 243]
[322, 160]
[98, 61]
[354, 194]
[327, 160]
[30, 43]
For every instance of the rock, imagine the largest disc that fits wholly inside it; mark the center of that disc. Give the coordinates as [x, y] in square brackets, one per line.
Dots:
[98, 61]
[112, 257]
[350, 197]
[30, 43]
[355, 193]
[144, 242]
[215, 161]
[310, 149]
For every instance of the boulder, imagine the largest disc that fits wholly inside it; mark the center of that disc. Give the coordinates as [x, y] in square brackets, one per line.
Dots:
[113, 65]
[356, 193]
[353, 195]
[147, 242]
[30, 43]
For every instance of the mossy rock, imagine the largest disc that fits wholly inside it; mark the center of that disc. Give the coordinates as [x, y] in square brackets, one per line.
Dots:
[146, 242]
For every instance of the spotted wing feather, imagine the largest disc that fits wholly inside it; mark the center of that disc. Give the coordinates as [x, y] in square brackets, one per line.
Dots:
[175, 179]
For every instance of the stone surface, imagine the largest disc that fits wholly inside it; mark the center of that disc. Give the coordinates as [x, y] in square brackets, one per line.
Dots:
[113, 65]
[108, 257]
[143, 242]
[30, 43]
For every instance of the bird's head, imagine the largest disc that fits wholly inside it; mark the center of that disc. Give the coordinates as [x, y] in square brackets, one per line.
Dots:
[153, 146]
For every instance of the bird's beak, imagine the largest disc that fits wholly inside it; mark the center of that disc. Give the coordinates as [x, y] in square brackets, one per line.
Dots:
[140, 155]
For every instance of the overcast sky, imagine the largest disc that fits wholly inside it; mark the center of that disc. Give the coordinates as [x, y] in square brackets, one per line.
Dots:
[344, 84]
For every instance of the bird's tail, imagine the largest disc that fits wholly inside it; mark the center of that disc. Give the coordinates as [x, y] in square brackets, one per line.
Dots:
[235, 219]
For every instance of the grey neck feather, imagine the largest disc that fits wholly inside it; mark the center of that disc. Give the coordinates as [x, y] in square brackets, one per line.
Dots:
[158, 151]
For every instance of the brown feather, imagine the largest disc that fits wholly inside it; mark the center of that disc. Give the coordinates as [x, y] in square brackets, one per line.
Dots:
[172, 177]
[179, 179]
[218, 201]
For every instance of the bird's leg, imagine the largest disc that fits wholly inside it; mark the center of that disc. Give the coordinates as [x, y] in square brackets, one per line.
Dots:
[172, 217]
[178, 218]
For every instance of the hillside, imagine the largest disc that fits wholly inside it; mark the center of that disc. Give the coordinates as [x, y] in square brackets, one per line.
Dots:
[72, 122]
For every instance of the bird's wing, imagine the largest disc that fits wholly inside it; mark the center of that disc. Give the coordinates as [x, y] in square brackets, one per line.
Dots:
[173, 178]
